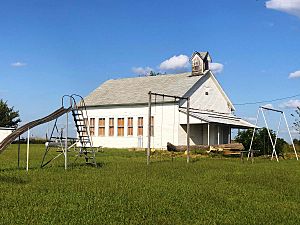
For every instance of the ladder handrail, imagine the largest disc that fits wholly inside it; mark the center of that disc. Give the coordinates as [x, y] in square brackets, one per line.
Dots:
[72, 101]
[82, 105]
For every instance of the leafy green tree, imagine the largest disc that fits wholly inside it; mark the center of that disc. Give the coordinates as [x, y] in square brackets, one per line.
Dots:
[296, 141]
[297, 119]
[261, 141]
[153, 73]
[8, 117]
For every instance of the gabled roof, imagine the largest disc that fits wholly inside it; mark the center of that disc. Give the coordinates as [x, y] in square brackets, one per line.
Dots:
[135, 90]
[202, 55]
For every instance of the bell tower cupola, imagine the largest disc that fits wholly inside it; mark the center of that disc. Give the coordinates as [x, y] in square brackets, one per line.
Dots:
[200, 63]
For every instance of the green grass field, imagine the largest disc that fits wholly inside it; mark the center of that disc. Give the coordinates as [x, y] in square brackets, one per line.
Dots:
[124, 190]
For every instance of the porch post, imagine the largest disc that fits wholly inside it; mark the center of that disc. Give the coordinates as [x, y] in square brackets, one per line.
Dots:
[218, 134]
[229, 134]
[207, 133]
[188, 130]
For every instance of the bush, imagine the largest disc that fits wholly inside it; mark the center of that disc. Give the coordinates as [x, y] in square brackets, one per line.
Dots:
[261, 141]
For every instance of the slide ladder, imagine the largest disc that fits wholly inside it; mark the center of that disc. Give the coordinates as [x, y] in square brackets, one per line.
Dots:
[81, 121]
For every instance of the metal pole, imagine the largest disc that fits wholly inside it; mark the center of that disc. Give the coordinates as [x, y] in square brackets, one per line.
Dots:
[269, 133]
[27, 156]
[149, 128]
[290, 136]
[19, 149]
[277, 133]
[66, 143]
[188, 130]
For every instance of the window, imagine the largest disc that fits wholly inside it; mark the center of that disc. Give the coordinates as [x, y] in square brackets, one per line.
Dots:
[92, 126]
[130, 126]
[85, 127]
[206, 93]
[196, 64]
[120, 126]
[152, 126]
[101, 127]
[140, 126]
[111, 127]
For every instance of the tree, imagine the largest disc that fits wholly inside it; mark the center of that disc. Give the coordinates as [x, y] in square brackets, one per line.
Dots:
[8, 117]
[261, 141]
[153, 73]
[296, 141]
[297, 120]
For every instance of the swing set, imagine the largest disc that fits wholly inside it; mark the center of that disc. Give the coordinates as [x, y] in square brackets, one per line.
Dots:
[150, 122]
[262, 110]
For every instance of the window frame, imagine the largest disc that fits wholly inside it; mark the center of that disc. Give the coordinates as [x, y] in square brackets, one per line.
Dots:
[152, 126]
[121, 126]
[92, 126]
[140, 126]
[130, 126]
[101, 127]
[111, 126]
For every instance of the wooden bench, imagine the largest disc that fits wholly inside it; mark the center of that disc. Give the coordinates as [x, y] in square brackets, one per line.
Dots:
[251, 151]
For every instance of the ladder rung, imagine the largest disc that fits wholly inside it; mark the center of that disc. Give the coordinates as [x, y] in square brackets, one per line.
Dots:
[93, 163]
[77, 114]
[86, 152]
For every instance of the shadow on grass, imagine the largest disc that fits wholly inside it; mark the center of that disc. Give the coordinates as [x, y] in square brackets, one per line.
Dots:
[84, 165]
[12, 180]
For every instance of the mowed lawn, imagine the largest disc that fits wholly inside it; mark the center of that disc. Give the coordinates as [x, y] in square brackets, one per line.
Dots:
[124, 190]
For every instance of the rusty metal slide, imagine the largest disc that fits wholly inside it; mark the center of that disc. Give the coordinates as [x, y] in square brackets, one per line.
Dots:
[18, 132]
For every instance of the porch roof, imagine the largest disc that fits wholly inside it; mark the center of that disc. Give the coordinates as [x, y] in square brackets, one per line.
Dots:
[219, 118]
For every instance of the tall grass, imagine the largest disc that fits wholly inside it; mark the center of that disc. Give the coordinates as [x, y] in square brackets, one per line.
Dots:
[124, 190]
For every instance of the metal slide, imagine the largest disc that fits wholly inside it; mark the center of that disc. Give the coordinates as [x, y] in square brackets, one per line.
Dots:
[18, 132]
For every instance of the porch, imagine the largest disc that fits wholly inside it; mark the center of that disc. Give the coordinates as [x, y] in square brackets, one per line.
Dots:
[210, 128]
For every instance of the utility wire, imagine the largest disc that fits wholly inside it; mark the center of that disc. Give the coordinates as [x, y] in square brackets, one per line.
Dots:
[266, 101]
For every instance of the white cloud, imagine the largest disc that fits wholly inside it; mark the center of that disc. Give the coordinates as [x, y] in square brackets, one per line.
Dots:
[18, 64]
[175, 63]
[216, 67]
[292, 104]
[288, 6]
[142, 70]
[295, 74]
[270, 106]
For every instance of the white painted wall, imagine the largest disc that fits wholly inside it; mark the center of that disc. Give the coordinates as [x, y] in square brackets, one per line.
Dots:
[166, 120]
[4, 132]
[214, 101]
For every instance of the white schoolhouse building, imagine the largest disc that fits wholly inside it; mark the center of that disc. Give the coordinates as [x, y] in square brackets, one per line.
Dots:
[118, 110]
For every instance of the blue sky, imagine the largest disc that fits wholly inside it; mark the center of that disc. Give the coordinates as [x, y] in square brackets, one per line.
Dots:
[52, 48]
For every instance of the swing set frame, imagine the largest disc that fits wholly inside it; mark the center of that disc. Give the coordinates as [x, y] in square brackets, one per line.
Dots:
[187, 99]
[261, 110]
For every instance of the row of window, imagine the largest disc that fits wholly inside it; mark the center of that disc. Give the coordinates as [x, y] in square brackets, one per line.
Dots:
[120, 126]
